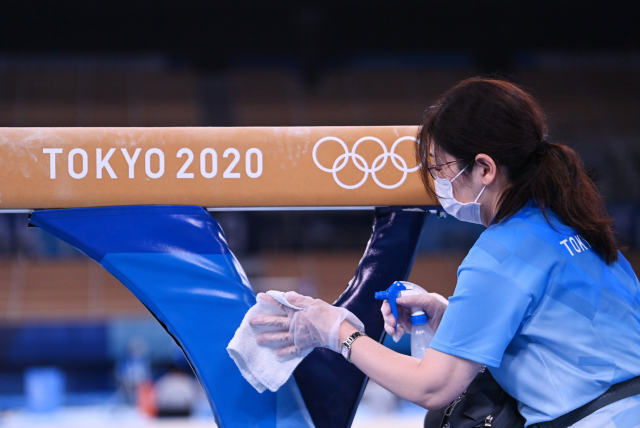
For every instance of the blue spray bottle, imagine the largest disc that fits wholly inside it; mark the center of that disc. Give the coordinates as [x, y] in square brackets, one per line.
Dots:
[421, 333]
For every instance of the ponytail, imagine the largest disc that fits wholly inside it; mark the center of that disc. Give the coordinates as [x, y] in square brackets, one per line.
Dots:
[503, 121]
[559, 182]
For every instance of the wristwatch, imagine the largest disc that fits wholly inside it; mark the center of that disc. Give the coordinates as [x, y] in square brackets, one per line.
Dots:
[345, 349]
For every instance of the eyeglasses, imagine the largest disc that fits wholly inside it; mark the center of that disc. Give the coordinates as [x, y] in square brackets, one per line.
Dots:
[434, 169]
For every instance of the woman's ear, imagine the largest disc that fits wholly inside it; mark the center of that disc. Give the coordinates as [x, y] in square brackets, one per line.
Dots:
[488, 169]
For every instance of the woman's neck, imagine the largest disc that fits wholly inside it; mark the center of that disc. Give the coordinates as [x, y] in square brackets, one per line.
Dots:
[490, 199]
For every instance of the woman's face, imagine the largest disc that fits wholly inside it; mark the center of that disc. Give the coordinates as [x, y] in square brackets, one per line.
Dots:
[467, 186]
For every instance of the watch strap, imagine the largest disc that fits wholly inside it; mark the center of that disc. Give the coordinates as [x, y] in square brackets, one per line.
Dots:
[346, 345]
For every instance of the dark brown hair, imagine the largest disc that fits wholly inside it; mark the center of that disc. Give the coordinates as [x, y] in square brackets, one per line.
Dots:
[501, 120]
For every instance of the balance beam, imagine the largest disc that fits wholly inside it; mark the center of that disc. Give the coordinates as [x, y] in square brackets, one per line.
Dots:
[217, 168]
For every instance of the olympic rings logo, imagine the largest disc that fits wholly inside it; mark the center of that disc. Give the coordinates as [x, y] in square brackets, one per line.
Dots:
[360, 162]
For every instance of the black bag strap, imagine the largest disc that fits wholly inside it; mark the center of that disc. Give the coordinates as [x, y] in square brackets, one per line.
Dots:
[617, 392]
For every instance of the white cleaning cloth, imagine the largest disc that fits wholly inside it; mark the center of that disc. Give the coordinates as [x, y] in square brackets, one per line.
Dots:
[259, 364]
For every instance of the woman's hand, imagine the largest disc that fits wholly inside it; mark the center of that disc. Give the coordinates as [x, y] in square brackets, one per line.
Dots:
[433, 305]
[316, 324]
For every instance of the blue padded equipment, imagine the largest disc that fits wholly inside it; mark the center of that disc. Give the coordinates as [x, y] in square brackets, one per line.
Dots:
[331, 386]
[175, 260]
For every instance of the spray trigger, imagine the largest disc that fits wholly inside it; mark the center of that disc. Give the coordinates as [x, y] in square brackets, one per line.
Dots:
[391, 294]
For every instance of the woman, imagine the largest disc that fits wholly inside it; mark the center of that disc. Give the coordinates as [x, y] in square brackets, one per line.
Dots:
[544, 298]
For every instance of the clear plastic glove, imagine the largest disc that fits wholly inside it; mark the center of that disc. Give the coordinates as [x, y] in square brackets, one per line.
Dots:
[316, 324]
[433, 305]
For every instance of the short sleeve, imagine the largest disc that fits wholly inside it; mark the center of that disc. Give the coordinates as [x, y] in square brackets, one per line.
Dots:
[483, 316]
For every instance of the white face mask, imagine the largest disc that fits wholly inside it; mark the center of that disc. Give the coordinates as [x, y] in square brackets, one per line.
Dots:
[469, 212]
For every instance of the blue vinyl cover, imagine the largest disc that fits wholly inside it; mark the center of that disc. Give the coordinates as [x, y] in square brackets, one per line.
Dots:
[331, 386]
[176, 261]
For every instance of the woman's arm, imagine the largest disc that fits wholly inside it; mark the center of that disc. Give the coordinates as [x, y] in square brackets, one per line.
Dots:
[432, 382]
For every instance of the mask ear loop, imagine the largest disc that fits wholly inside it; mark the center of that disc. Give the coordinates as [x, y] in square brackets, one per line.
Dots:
[458, 174]
[480, 194]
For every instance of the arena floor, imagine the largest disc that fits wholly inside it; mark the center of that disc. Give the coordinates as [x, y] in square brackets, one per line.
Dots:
[379, 408]
[95, 417]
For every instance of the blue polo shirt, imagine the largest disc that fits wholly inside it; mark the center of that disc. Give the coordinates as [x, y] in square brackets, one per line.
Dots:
[555, 325]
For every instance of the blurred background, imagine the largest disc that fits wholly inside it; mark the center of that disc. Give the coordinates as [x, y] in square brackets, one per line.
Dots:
[77, 349]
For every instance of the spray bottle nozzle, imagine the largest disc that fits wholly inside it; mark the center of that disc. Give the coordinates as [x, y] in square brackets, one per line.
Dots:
[391, 294]
[382, 295]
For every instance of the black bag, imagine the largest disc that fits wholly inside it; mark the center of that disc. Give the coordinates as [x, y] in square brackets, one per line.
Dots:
[483, 404]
